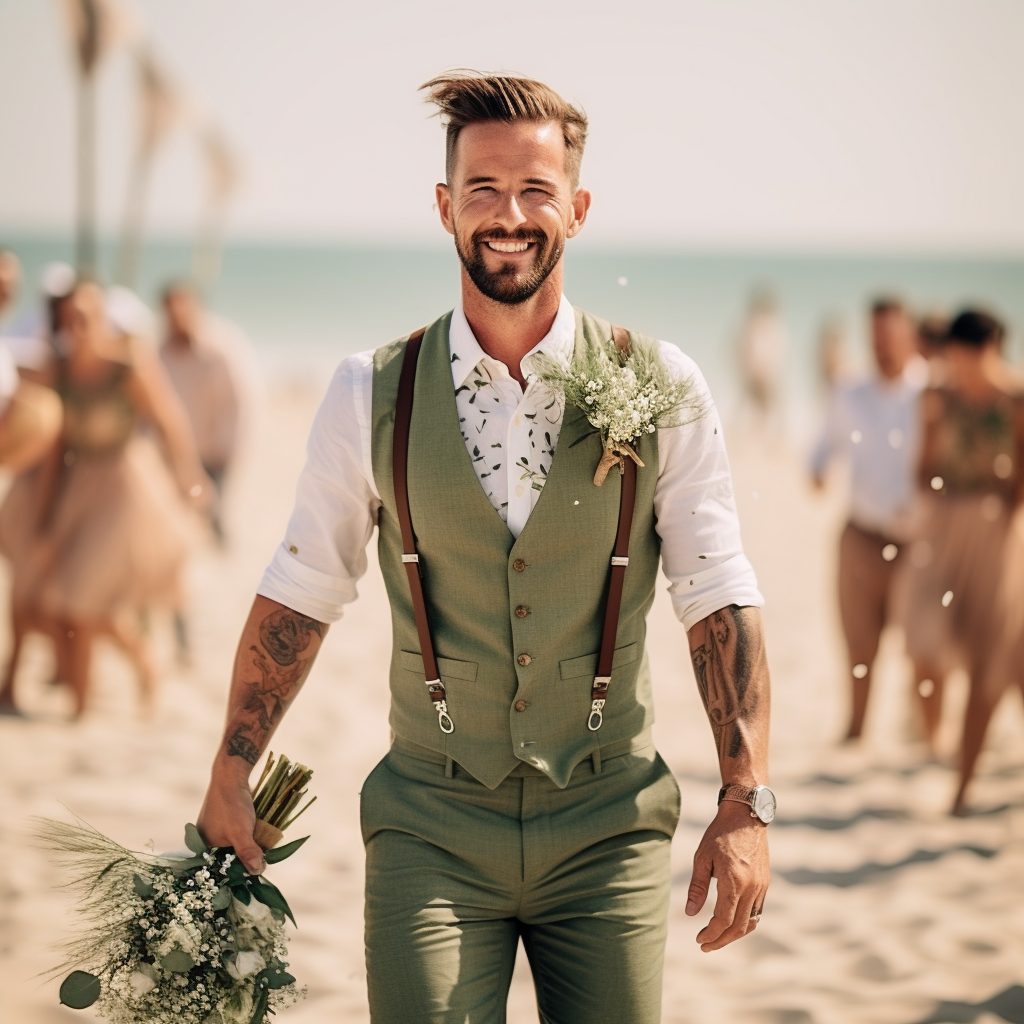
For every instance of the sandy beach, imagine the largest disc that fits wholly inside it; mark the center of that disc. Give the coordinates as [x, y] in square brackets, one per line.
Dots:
[883, 910]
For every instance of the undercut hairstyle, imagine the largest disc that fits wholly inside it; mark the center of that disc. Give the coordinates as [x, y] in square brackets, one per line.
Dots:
[464, 97]
[975, 329]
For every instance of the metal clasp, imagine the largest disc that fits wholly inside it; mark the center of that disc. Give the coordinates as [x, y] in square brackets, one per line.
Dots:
[620, 560]
[444, 720]
[596, 718]
[411, 558]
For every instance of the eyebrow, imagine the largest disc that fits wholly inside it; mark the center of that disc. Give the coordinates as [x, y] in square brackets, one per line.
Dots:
[484, 179]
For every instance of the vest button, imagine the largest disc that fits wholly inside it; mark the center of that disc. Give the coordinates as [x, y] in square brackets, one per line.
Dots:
[520, 705]
[519, 565]
[522, 611]
[524, 659]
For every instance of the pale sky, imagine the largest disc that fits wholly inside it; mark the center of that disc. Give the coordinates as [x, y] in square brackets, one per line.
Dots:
[879, 125]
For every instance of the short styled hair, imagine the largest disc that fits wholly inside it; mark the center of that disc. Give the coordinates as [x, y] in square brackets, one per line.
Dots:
[975, 329]
[466, 97]
[886, 304]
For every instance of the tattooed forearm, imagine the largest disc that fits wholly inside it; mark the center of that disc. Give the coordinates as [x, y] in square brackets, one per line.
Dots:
[729, 662]
[266, 681]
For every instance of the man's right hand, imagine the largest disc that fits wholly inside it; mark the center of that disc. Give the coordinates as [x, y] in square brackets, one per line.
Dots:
[228, 819]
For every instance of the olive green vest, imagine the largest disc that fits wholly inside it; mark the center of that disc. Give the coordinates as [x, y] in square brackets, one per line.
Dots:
[516, 623]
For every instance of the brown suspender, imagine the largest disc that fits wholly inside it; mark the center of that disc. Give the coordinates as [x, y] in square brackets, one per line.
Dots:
[400, 461]
[414, 571]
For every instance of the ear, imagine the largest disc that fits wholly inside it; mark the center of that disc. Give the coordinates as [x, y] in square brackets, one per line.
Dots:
[580, 208]
[443, 199]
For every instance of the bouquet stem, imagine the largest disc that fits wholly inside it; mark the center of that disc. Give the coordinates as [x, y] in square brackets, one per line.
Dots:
[278, 793]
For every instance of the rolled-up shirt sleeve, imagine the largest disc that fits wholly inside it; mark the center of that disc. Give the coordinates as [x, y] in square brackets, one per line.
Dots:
[695, 506]
[316, 568]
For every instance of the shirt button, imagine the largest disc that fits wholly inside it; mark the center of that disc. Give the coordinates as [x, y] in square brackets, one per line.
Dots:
[293, 549]
[524, 659]
[522, 611]
[519, 565]
[520, 705]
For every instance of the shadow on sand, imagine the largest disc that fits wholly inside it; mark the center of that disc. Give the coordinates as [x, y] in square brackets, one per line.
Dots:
[1008, 1004]
[872, 869]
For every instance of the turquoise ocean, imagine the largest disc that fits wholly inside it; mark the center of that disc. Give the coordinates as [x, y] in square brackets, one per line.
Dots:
[306, 306]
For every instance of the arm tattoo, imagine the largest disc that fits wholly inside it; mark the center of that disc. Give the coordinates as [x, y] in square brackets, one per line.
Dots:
[284, 636]
[725, 661]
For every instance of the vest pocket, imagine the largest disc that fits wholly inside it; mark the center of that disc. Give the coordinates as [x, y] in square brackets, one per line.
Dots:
[587, 664]
[412, 661]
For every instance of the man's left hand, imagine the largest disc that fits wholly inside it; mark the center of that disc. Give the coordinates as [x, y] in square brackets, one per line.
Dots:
[734, 851]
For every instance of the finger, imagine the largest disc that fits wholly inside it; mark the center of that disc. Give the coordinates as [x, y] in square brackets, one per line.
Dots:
[700, 884]
[732, 925]
[250, 853]
[725, 913]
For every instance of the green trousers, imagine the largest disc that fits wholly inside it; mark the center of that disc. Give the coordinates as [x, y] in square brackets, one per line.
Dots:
[457, 874]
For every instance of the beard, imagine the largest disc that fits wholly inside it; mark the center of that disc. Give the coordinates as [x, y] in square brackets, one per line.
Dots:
[509, 284]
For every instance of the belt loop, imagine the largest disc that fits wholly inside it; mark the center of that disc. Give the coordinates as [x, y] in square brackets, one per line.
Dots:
[449, 767]
[595, 757]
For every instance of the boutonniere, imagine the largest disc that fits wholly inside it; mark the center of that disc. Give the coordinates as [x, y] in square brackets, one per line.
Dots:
[624, 394]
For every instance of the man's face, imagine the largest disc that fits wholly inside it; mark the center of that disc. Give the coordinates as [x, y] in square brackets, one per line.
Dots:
[83, 315]
[511, 206]
[892, 338]
[182, 313]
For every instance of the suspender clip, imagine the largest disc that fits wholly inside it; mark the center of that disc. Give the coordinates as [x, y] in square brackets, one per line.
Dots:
[620, 559]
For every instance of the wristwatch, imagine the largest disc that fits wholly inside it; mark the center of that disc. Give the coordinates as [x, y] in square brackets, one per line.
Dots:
[760, 800]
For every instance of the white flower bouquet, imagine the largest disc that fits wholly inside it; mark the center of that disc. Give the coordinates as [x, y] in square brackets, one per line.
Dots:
[182, 939]
[624, 394]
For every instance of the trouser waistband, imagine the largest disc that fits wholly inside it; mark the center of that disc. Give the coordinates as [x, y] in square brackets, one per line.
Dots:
[605, 752]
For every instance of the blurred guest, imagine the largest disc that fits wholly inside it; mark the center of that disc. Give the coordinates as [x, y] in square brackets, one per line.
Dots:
[98, 532]
[932, 330]
[202, 376]
[762, 354]
[10, 279]
[873, 426]
[32, 337]
[30, 418]
[964, 586]
[832, 354]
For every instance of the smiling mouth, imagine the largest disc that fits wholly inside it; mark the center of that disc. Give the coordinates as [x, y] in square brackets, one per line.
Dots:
[508, 246]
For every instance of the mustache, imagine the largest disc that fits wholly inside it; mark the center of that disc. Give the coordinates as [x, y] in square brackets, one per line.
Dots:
[501, 235]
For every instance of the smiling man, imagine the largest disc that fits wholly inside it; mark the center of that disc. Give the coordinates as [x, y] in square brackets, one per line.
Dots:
[522, 798]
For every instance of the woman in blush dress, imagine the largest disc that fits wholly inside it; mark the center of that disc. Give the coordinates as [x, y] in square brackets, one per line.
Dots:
[964, 585]
[99, 532]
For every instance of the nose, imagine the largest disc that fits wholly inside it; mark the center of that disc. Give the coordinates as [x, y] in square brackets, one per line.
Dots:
[509, 214]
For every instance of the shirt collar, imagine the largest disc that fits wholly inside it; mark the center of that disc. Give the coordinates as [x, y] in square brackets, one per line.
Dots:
[466, 353]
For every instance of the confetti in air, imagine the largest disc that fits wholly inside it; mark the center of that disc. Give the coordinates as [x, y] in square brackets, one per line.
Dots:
[623, 281]
[889, 552]
[926, 687]
[936, 483]
[860, 671]
[856, 436]
[947, 598]
[895, 438]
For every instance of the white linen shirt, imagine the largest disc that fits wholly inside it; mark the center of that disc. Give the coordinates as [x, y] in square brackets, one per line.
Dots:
[874, 425]
[510, 437]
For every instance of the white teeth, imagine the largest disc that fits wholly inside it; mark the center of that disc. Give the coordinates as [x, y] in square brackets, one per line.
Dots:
[509, 246]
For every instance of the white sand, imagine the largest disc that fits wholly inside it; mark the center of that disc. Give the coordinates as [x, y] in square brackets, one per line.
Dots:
[881, 907]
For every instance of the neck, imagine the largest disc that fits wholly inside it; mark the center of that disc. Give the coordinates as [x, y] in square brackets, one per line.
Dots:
[507, 332]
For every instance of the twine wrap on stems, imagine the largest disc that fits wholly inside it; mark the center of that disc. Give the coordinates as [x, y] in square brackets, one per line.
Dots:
[616, 455]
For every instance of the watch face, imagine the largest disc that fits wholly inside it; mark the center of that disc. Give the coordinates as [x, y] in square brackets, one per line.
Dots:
[763, 804]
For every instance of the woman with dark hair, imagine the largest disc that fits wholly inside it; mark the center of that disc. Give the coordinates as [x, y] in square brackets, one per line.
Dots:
[961, 595]
[98, 533]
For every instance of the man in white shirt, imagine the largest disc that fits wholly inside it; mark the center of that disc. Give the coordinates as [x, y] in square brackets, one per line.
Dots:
[874, 426]
[503, 812]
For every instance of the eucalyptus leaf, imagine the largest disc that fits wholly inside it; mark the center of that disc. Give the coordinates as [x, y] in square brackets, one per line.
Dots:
[193, 840]
[280, 853]
[142, 888]
[222, 898]
[242, 894]
[177, 962]
[270, 895]
[79, 990]
[279, 979]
